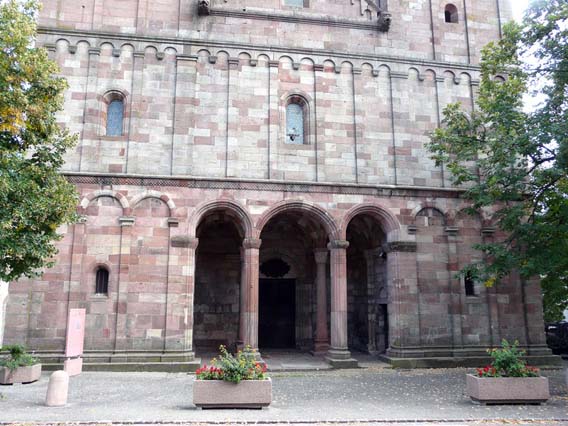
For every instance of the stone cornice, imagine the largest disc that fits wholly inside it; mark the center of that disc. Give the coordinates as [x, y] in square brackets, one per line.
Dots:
[323, 53]
[296, 18]
[102, 179]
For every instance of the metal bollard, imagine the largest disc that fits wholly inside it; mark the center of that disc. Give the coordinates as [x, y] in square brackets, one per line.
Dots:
[57, 389]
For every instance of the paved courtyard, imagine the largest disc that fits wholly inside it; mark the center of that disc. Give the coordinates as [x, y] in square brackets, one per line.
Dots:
[370, 395]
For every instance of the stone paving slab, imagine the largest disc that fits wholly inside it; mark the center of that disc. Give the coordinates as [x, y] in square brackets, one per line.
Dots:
[370, 395]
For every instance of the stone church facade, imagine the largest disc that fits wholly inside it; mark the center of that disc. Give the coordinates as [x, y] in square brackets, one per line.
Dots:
[255, 172]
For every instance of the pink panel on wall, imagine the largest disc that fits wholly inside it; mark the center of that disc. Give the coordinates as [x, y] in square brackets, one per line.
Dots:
[75, 332]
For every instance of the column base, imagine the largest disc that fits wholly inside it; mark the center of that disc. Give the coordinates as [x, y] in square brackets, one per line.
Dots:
[341, 358]
[320, 349]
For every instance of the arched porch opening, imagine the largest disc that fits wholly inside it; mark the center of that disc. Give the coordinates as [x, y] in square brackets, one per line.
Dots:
[367, 290]
[293, 242]
[217, 294]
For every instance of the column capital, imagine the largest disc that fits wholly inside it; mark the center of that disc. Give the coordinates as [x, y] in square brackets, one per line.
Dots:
[320, 254]
[252, 243]
[338, 244]
[452, 231]
[126, 221]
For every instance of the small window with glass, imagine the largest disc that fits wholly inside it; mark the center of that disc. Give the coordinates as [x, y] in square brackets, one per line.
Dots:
[296, 125]
[101, 281]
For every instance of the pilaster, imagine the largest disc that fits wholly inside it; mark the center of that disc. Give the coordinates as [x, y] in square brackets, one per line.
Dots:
[321, 344]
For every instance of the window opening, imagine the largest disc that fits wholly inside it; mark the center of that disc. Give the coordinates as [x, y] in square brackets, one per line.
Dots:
[101, 286]
[295, 123]
[297, 3]
[469, 284]
[451, 14]
[115, 115]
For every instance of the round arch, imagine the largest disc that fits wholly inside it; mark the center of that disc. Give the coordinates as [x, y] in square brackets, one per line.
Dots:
[87, 199]
[244, 222]
[316, 212]
[388, 221]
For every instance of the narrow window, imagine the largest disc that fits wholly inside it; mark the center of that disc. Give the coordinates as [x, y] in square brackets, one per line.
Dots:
[101, 285]
[297, 3]
[469, 284]
[115, 116]
[295, 124]
[451, 14]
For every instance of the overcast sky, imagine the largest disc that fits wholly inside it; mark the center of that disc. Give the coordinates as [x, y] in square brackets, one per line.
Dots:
[519, 7]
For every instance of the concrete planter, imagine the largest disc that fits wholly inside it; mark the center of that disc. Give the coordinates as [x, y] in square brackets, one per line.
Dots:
[28, 374]
[222, 394]
[508, 390]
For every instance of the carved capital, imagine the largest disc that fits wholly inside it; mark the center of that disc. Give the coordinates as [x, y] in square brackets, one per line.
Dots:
[401, 246]
[173, 222]
[384, 21]
[338, 244]
[252, 243]
[203, 7]
[126, 221]
[451, 230]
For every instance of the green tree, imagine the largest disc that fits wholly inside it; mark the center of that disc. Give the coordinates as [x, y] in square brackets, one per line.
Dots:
[513, 162]
[34, 198]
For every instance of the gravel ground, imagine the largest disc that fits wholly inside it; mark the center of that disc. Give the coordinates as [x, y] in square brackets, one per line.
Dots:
[370, 395]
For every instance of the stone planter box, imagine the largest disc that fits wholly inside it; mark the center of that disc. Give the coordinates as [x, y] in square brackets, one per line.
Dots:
[20, 375]
[222, 394]
[508, 390]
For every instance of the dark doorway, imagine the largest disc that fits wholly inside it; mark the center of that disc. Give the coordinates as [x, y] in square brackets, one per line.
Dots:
[277, 312]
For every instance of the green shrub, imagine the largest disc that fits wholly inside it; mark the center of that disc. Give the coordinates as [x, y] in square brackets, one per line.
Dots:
[17, 357]
[507, 362]
[230, 368]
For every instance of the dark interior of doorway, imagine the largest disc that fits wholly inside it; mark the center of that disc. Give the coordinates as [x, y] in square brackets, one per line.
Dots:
[277, 312]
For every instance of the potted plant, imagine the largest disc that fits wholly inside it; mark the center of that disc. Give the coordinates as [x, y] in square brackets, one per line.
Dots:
[508, 380]
[19, 366]
[238, 381]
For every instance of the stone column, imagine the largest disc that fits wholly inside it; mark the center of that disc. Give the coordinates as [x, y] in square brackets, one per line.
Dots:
[190, 292]
[338, 355]
[322, 333]
[372, 257]
[3, 301]
[249, 293]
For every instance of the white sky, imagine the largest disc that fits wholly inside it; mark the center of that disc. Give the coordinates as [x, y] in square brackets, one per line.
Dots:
[519, 7]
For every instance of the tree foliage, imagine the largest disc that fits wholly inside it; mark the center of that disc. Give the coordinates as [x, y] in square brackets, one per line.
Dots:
[513, 162]
[34, 198]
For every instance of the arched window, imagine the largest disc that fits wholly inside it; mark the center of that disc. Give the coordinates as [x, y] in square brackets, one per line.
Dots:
[451, 14]
[469, 284]
[101, 283]
[296, 121]
[297, 3]
[115, 117]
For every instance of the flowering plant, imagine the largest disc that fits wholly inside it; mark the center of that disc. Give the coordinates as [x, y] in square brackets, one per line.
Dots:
[233, 368]
[507, 362]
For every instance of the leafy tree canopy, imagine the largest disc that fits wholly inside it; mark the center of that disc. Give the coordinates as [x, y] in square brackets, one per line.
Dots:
[512, 162]
[34, 198]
